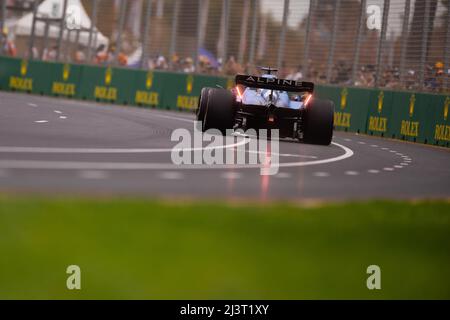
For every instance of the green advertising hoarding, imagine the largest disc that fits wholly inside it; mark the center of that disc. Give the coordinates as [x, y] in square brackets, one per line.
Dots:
[351, 106]
[107, 84]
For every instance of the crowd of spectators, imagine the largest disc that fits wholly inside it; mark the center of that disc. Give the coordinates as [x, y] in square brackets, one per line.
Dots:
[435, 75]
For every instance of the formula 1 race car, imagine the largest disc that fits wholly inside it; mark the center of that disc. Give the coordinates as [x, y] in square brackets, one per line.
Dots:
[266, 102]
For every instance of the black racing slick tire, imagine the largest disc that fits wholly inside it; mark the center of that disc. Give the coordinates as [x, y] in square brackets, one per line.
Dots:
[220, 111]
[202, 104]
[318, 122]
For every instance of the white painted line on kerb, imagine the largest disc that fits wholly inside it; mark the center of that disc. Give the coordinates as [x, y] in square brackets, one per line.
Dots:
[373, 171]
[398, 166]
[404, 164]
[321, 174]
[388, 169]
[41, 121]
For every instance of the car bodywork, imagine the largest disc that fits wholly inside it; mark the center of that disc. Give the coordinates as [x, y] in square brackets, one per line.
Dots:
[269, 102]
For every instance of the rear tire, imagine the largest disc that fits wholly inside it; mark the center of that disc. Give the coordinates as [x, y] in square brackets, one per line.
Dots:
[219, 112]
[319, 120]
[202, 104]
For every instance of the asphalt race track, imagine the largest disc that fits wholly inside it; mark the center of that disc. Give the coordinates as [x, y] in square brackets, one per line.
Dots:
[60, 146]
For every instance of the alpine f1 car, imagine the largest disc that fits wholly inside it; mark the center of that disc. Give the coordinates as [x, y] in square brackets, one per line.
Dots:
[266, 102]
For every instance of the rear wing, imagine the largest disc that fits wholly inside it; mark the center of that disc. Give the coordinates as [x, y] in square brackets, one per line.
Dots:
[274, 84]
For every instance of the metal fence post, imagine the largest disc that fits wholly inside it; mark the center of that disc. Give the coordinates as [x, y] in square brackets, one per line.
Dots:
[381, 42]
[33, 30]
[404, 40]
[243, 35]
[447, 56]
[224, 31]
[251, 55]
[45, 43]
[362, 18]
[123, 9]
[305, 70]
[337, 6]
[173, 36]
[423, 54]
[199, 26]
[283, 34]
[145, 40]
[91, 29]
[61, 30]
[2, 26]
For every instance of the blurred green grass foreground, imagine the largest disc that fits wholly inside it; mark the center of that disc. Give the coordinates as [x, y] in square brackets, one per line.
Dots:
[145, 249]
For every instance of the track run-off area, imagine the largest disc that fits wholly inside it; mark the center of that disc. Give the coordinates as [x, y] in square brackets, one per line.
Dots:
[61, 146]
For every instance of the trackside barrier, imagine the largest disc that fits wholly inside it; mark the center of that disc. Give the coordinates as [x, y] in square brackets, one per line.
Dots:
[417, 117]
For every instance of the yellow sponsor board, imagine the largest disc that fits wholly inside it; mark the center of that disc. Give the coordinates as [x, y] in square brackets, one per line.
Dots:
[410, 128]
[147, 97]
[187, 102]
[64, 89]
[378, 124]
[442, 132]
[107, 93]
[344, 94]
[342, 119]
[189, 83]
[19, 83]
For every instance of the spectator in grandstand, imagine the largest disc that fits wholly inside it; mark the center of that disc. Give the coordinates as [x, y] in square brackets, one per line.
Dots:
[9, 48]
[188, 65]
[101, 55]
[295, 74]
[161, 63]
[80, 56]
[232, 67]
[49, 54]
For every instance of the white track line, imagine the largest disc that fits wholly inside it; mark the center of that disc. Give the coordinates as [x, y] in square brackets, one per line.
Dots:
[321, 174]
[283, 175]
[63, 117]
[113, 150]
[373, 171]
[34, 105]
[67, 165]
[351, 173]
[41, 121]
